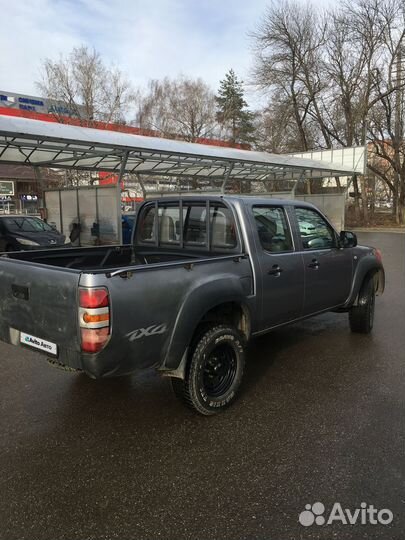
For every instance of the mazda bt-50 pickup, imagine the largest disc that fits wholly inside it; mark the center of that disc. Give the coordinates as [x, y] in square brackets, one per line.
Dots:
[202, 276]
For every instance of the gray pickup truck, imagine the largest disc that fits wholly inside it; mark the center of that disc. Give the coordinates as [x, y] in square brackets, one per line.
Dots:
[202, 276]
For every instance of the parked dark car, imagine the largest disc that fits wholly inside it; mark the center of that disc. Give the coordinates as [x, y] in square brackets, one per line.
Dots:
[28, 232]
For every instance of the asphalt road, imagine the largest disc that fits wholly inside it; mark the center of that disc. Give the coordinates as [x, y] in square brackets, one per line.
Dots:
[321, 419]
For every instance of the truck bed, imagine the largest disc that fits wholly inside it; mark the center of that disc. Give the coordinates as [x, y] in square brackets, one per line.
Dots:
[105, 257]
[39, 300]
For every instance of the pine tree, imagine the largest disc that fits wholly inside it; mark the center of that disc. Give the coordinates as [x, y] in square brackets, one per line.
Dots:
[232, 111]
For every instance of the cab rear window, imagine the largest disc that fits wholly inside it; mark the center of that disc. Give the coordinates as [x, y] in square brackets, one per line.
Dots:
[168, 224]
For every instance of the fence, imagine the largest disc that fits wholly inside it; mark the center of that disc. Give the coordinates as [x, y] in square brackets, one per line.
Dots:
[87, 206]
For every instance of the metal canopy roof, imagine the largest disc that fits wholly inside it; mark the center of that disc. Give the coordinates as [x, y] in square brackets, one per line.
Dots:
[46, 144]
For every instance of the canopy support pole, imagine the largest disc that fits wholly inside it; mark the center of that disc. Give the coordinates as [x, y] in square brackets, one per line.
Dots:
[40, 180]
[119, 211]
[140, 181]
[227, 175]
[300, 179]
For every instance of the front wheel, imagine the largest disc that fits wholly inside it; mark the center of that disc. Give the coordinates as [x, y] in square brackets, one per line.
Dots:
[361, 316]
[214, 371]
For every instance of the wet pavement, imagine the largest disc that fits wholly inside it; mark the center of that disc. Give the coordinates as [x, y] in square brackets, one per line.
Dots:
[321, 419]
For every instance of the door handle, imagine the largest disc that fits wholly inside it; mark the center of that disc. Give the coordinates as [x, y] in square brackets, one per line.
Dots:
[275, 270]
[20, 292]
[314, 264]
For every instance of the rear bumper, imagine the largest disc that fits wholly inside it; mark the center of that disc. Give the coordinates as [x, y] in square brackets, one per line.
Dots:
[67, 357]
[96, 366]
[100, 365]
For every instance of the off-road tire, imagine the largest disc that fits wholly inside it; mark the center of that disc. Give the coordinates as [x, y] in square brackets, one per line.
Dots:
[214, 370]
[361, 316]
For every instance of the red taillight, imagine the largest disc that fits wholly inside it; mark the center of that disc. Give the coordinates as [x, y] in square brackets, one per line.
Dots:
[93, 340]
[94, 318]
[93, 298]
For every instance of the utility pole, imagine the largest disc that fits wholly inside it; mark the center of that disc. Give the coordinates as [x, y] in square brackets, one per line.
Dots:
[399, 96]
[398, 143]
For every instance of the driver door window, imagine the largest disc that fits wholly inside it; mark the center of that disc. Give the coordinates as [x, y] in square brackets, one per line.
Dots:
[328, 270]
[315, 232]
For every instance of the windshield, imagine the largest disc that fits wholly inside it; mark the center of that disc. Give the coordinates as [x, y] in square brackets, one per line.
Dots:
[26, 224]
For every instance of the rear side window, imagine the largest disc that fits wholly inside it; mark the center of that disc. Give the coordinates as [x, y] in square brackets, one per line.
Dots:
[315, 231]
[272, 228]
[222, 229]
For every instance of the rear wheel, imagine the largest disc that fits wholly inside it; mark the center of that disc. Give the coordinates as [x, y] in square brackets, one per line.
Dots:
[214, 371]
[361, 316]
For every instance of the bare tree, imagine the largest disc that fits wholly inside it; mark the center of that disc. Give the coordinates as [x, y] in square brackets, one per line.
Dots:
[351, 54]
[287, 45]
[386, 126]
[336, 77]
[89, 89]
[276, 129]
[181, 106]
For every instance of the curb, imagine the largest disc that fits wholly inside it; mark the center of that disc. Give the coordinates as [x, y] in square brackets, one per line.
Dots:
[379, 230]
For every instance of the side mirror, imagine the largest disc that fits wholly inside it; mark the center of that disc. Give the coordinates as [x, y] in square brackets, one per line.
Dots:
[348, 239]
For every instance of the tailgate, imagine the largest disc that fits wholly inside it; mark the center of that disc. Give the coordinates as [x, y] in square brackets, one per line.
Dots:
[39, 300]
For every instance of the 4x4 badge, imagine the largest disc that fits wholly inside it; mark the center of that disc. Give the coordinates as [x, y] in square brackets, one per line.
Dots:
[152, 330]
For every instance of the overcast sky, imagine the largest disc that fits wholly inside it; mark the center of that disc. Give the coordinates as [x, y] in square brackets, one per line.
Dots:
[144, 38]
